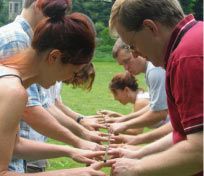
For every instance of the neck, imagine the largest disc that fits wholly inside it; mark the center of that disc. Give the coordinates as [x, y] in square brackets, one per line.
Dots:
[164, 40]
[29, 72]
[30, 16]
[132, 97]
[144, 63]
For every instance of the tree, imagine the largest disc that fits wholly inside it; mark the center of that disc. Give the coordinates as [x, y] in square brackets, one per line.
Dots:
[3, 12]
[1, 5]
[198, 9]
[193, 6]
[97, 10]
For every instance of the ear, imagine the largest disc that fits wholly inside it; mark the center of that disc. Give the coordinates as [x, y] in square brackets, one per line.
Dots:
[151, 26]
[36, 6]
[54, 56]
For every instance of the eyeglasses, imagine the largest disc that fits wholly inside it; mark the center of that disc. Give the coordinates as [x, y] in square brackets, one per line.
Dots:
[128, 47]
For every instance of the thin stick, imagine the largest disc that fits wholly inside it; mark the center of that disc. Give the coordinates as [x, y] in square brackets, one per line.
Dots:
[108, 146]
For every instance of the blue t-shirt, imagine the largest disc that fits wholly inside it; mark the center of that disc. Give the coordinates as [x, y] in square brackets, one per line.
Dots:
[155, 80]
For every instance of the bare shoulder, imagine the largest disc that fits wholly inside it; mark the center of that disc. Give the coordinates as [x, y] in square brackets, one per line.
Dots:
[12, 90]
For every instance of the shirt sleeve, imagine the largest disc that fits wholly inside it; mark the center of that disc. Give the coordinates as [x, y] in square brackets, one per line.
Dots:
[12, 48]
[158, 98]
[33, 96]
[188, 93]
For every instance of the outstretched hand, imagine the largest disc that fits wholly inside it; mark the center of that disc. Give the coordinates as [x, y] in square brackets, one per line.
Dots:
[87, 156]
[93, 123]
[109, 113]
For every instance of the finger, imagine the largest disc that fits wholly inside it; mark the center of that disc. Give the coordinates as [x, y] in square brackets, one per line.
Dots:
[86, 160]
[114, 145]
[100, 148]
[97, 116]
[100, 119]
[103, 134]
[100, 165]
[108, 125]
[98, 113]
[110, 121]
[96, 154]
[98, 173]
[97, 165]
[101, 126]
[102, 139]
[117, 139]
[113, 152]
[102, 112]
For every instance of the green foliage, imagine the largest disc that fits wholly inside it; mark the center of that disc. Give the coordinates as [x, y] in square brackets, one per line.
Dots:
[1, 4]
[105, 44]
[198, 9]
[96, 10]
[105, 37]
[193, 6]
[3, 12]
[99, 27]
[187, 5]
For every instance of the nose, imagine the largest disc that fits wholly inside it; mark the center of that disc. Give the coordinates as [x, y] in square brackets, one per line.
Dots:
[125, 66]
[136, 53]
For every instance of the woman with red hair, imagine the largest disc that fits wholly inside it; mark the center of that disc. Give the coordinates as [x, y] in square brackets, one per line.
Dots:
[61, 46]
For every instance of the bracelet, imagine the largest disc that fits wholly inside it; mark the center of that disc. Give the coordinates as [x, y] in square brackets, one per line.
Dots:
[79, 118]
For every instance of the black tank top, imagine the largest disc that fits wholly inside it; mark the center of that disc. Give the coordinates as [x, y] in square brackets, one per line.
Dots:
[1, 76]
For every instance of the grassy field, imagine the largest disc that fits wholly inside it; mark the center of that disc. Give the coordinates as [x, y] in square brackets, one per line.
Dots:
[88, 103]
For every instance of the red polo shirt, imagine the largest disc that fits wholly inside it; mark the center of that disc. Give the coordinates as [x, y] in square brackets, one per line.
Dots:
[184, 78]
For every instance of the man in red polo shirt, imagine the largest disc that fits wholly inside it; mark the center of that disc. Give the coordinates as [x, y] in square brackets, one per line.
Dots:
[159, 30]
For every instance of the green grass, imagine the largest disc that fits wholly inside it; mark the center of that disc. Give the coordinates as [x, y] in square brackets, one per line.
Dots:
[88, 103]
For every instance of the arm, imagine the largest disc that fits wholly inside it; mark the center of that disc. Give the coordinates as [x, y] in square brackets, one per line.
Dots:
[133, 115]
[158, 146]
[42, 121]
[154, 134]
[109, 113]
[184, 158]
[147, 119]
[90, 123]
[73, 126]
[67, 122]
[145, 137]
[33, 150]
[10, 113]
[69, 112]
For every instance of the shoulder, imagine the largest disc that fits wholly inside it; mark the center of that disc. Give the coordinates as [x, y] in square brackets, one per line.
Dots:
[191, 45]
[13, 36]
[13, 100]
[12, 90]
[156, 74]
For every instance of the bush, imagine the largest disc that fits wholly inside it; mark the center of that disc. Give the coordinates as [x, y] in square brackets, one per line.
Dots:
[104, 44]
[103, 53]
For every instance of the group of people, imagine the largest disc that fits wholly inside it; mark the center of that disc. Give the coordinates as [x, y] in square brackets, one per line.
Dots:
[48, 44]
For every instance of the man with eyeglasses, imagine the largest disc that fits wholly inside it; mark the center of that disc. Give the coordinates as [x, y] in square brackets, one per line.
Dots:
[153, 115]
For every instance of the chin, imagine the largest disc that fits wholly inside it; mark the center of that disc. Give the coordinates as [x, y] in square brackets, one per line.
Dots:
[156, 63]
[47, 85]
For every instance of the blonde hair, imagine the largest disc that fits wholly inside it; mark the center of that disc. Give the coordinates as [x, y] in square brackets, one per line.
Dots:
[131, 13]
[114, 15]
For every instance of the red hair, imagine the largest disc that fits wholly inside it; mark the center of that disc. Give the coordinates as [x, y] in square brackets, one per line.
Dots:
[122, 80]
[73, 35]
